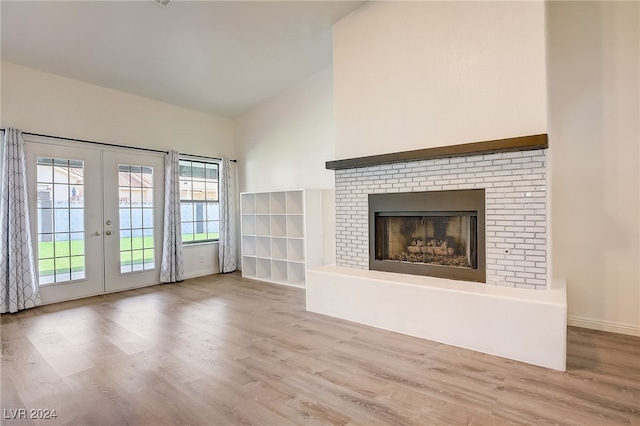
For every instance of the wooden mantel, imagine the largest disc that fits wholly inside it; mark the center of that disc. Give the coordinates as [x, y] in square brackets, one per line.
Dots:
[522, 143]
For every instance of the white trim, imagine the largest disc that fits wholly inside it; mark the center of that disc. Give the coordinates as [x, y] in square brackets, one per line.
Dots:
[200, 273]
[609, 326]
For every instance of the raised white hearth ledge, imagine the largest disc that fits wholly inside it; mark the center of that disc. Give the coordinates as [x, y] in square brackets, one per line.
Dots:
[519, 324]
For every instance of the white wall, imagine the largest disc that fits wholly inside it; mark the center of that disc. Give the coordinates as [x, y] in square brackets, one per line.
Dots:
[39, 102]
[594, 131]
[412, 75]
[284, 143]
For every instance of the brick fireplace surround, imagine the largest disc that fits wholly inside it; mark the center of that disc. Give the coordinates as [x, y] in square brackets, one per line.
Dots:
[519, 313]
[516, 208]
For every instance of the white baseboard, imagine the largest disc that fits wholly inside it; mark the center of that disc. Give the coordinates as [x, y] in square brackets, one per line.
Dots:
[610, 326]
[200, 273]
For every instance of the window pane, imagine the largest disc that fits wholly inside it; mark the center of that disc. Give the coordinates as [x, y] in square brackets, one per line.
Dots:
[213, 211]
[212, 190]
[197, 170]
[136, 222]
[147, 218]
[61, 171]
[125, 261]
[77, 243]
[147, 197]
[186, 189]
[125, 240]
[146, 177]
[46, 271]
[125, 219]
[63, 269]
[198, 190]
[213, 230]
[198, 184]
[136, 197]
[136, 218]
[60, 195]
[211, 171]
[185, 168]
[148, 238]
[45, 173]
[76, 217]
[60, 215]
[186, 211]
[61, 219]
[149, 261]
[77, 268]
[187, 231]
[136, 239]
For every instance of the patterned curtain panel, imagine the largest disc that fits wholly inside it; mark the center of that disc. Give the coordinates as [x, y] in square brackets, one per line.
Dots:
[172, 269]
[227, 242]
[17, 266]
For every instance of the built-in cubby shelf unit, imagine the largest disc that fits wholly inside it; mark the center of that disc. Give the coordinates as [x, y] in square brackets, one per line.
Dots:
[281, 235]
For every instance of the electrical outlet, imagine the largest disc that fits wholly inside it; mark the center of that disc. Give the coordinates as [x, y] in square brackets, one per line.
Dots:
[201, 259]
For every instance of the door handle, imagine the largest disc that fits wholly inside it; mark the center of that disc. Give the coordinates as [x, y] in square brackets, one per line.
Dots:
[108, 232]
[96, 234]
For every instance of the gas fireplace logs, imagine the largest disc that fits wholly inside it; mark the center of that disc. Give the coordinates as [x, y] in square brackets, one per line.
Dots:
[433, 252]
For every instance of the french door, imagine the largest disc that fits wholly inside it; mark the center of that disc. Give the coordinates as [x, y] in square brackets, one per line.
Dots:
[96, 217]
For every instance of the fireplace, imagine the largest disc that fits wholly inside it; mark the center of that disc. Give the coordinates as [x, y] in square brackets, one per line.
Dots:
[435, 233]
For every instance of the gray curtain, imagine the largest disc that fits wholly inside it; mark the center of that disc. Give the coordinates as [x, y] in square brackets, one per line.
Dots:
[172, 268]
[17, 266]
[227, 241]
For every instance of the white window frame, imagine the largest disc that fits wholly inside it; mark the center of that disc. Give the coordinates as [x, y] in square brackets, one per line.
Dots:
[216, 202]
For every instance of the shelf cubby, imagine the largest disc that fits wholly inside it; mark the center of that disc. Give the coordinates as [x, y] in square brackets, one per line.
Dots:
[249, 245]
[263, 269]
[263, 246]
[295, 249]
[279, 225]
[279, 248]
[248, 203]
[262, 203]
[249, 266]
[295, 226]
[296, 274]
[279, 271]
[295, 202]
[278, 202]
[248, 224]
[263, 224]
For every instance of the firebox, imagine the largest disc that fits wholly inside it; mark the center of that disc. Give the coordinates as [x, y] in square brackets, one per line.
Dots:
[435, 233]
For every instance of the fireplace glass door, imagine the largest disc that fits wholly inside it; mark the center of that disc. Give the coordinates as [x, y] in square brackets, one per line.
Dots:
[434, 238]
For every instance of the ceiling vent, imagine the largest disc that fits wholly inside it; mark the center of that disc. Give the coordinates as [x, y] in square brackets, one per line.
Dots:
[162, 2]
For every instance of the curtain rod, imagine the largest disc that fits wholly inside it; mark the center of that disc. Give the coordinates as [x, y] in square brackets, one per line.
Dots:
[117, 146]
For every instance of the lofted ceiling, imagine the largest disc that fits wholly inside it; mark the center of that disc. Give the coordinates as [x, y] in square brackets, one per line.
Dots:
[219, 57]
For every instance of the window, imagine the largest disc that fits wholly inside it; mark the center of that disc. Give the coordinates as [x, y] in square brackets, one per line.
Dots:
[199, 201]
[61, 252]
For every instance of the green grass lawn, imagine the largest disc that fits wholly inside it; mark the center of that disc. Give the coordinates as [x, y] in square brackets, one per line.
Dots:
[70, 254]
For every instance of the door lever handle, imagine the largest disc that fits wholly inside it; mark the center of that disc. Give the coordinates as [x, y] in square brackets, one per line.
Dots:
[96, 234]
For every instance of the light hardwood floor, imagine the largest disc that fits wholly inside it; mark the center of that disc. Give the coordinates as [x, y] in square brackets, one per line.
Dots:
[226, 350]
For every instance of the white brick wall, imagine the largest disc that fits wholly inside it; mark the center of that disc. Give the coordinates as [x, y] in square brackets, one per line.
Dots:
[516, 208]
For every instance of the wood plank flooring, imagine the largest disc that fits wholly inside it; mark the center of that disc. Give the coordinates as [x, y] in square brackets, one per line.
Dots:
[222, 350]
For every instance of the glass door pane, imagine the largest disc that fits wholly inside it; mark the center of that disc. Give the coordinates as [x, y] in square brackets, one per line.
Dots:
[135, 202]
[60, 216]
